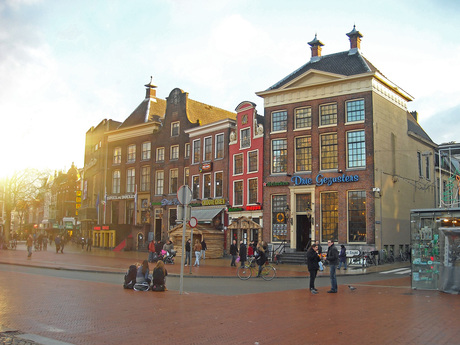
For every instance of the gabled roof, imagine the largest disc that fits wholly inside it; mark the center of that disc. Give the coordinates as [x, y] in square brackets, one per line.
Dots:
[145, 112]
[414, 127]
[205, 113]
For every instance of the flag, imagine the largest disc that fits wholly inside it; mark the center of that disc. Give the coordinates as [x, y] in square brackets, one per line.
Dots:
[135, 205]
[97, 207]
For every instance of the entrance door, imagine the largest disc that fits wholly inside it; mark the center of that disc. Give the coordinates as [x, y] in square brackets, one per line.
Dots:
[303, 232]
[158, 224]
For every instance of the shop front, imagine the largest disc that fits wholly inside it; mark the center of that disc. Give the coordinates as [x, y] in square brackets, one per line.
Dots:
[103, 237]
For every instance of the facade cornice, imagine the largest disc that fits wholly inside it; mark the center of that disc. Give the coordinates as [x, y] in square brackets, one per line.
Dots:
[209, 128]
[131, 132]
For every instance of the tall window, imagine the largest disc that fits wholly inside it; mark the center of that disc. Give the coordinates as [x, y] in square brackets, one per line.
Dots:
[117, 155]
[160, 154]
[130, 214]
[146, 150]
[238, 193]
[328, 114]
[173, 176]
[219, 146]
[238, 164]
[131, 153]
[252, 191]
[159, 182]
[279, 156]
[186, 176]
[356, 149]
[245, 138]
[279, 218]
[187, 150]
[196, 151]
[279, 121]
[130, 180]
[253, 161]
[208, 148]
[145, 178]
[419, 161]
[174, 152]
[218, 181]
[196, 186]
[355, 110]
[116, 178]
[329, 159]
[427, 167]
[303, 154]
[175, 126]
[303, 118]
[329, 216]
[357, 216]
[206, 185]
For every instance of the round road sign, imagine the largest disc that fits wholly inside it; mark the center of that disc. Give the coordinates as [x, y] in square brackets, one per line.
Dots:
[193, 222]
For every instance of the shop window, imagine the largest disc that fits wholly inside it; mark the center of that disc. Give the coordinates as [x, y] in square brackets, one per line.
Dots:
[329, 216]
[279, 217]
[196, 187]
[279, 156]
[357, 216]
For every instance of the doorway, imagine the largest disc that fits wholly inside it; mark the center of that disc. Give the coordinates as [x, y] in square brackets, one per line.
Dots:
[303, 232]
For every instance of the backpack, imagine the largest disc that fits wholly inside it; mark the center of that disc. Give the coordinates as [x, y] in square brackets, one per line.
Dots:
[130, 277]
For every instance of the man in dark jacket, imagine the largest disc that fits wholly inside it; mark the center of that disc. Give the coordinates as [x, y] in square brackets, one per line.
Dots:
[187, 251]
[233, 252]
[333, 259]
[243, 252]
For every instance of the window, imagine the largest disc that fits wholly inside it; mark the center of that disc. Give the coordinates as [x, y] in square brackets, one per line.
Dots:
[130, 212]
[329, 151]
[355, 110]
[116, 178]
[253, 161]
[117, 155]
[279, 121]
[238, 164]
[218, 181]
[175, 126]
[174, 153]
[303, 154]
[159, 182]
[419, 161]
[329, 216]
[252, 191]
[328, 114]
[186, 176]
[146, 150]
[279, 156]
[196, 186]
[145, 178]
[356, 149]
[238, 193]
[187, 150]
[130, 180]
[208, 148]
[279, 219]
[196, 151]
[357, 216]
[245, 138]
[173, 176]
[206, 185]
[131, 153]
[427, 167]
[160, 154]
[219, 146]
[303, 118]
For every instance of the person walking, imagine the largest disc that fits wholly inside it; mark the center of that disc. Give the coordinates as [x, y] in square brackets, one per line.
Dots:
[233, 253]
[89, 243]
[313, 259]
[203, 249]
[62, 244]
[261, 257]
[197, 248]
[45, 243]
[342, 257]
[187, 251]
[332, 258]
[30, 243]
[243, 251]
[57, 242]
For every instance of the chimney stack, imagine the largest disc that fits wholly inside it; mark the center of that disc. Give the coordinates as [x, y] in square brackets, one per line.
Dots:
[150, 92]
[315, 49]
[355, 39]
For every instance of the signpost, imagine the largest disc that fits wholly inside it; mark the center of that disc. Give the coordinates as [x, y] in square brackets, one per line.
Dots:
[184, 195]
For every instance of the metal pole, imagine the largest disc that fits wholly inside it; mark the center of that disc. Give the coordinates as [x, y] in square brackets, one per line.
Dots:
[181, 281]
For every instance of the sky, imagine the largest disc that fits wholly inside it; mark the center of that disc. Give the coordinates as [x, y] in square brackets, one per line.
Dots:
[66, 65]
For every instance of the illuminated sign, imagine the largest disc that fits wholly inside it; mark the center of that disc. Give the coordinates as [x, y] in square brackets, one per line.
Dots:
[253, 208]
[97, 228]
[206, 167]
[320, 180]
[273, 184]
[213, 202]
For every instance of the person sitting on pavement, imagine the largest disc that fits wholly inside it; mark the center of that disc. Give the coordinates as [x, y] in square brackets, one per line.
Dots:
[261, 258]
[143, 273]
[159, 277]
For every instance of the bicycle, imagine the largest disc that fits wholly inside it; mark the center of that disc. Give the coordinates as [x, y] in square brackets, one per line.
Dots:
[245, 272]
[12, 244]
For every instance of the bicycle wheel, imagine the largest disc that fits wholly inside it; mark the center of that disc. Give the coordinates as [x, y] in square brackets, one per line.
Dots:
[268, 272]
[244, 272]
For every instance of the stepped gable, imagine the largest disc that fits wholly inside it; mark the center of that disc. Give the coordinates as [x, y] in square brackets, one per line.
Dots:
[205, 113]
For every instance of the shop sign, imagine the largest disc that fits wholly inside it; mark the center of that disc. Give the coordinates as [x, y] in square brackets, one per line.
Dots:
[105, 227]
[120, 197]
[206, 167]
[213, 202]
[97, 228]
[253, 208]
[274, 184]
[235, 209]
[320, 180]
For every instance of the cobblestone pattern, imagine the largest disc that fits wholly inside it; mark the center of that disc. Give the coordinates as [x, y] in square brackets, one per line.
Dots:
[9, 338]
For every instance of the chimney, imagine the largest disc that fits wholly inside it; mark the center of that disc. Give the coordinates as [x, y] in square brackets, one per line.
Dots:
[355, 39]
[150, 92]
[414, 115]
[315, 49]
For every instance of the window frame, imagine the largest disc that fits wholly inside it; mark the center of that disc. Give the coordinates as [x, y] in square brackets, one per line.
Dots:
[297, 119]
[173, 127]
[207, 186]
[160, 154]
[130, 180]
[173, 180]
[322, 157]
[159, 182]
[360, 150]
[282, 166]
[207, 149]
[145, 178]
[235, 190]
[131, 153]
[359, 212]
[250, 193]
[220, 146]
[240, 158]
[116, 187]
[282, 123]
[309, 150]
[347, 111]
[146, 154]
[249, 165]
[174, 152]
[196, 151]
[218, 194]
[245, 140]
[327, 116]
[116, 155]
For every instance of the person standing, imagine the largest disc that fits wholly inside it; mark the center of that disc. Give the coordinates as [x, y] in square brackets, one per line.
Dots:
[233, 253]
[243, 254]
[187, 251]
[89, 243]
[313, 259]
[203, 249]
[151, 250]
[197, 248]
[320, 249]
[62, 244]
[342, 257]
[57, 242]
[332, 257]
[45, 243]
[30, 243]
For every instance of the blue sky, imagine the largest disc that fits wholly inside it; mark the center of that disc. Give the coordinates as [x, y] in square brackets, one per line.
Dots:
[66, 65]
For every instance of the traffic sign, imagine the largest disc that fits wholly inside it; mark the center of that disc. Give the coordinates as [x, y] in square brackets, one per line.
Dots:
[184, 195]
[193, 222]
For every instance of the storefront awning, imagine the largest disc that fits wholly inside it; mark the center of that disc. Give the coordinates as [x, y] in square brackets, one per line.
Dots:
[206, 214]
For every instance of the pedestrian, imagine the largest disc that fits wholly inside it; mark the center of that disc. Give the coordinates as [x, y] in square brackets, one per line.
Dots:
[243, 252]
[342, 257]
[169, 247]
[158, 247]
[261, 257]
[89, 243]
[313, 259]
[83, 243]
[62, 244]
[332, 258]
[45, 243]
[152, 251]
[251, 249]
[203, 249]
[320, 249]
[57, 242]
[197, 248]
[233, 253]
[187, 251]
[30, 243]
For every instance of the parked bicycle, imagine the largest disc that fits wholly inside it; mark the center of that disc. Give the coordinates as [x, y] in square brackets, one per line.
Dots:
[245, 272]
[12, 244]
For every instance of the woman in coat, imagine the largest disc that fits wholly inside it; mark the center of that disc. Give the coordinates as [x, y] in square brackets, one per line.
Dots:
[313, 260]
[342, 257]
